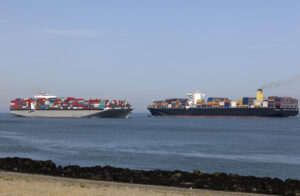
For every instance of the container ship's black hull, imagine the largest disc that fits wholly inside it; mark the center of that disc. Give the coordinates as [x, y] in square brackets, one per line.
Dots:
[226, 112]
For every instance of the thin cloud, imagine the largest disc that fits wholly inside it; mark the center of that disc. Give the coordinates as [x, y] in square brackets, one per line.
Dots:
[53, 33]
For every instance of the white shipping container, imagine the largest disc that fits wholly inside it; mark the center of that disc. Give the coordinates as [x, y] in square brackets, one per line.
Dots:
[169, 105]
[257, 103]
[265, 104]
[233, 104]
[221, 103]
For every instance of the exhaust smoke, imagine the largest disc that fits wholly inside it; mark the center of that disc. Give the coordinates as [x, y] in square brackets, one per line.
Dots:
[288, 81]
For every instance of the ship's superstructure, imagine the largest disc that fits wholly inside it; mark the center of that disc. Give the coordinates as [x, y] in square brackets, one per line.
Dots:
[47, 105]
[195, 105]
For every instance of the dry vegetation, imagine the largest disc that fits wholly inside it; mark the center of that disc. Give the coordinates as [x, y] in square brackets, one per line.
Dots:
[16, 184]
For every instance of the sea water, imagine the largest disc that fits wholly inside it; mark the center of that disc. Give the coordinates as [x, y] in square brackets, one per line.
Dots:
[245, 146]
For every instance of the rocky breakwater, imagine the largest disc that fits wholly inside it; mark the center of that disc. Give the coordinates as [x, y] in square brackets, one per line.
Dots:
[195, 179]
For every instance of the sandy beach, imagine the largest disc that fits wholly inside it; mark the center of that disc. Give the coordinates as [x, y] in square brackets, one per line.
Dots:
[12, 184]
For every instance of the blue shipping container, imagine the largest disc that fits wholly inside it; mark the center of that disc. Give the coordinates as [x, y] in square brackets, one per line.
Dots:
[245, 100]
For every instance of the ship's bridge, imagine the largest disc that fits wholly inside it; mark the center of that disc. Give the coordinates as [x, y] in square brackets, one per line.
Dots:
[44, 95]
[193, 97]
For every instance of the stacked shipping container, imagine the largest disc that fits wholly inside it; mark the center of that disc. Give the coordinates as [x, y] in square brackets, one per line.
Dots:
[171, 103]
[20, 104]
[177, 103]
[67, 103]
[248, 101]
[272, 102]
[215, 102]
[282, 102]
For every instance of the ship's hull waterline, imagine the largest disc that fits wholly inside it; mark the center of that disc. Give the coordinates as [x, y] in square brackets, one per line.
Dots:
[225, 112]
[106, 113]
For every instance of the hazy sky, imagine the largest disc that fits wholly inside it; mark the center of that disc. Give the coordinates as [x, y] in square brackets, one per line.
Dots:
[146, 50]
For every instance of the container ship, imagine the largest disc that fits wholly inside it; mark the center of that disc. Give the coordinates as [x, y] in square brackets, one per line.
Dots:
[46, 105]
[195, 105]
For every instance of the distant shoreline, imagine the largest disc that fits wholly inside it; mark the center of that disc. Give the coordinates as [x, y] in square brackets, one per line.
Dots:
[194, 180]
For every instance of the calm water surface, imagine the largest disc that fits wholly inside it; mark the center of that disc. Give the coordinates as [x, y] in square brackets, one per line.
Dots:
[246, 146]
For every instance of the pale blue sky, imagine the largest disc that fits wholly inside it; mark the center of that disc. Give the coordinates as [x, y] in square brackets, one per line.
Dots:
[145, 50]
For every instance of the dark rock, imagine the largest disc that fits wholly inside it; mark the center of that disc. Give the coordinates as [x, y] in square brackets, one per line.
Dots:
[196, 179]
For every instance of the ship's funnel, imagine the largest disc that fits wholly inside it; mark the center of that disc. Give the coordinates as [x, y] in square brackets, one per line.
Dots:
[259, 95]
